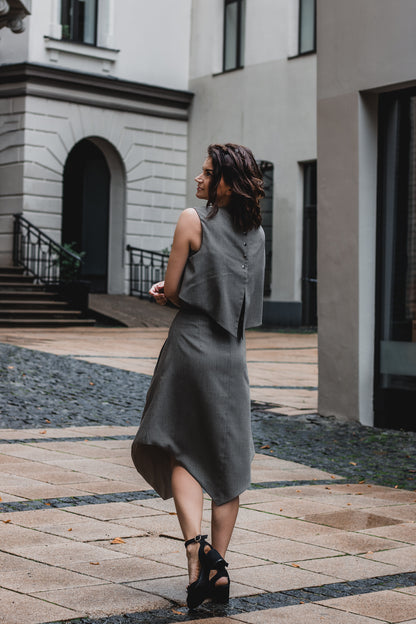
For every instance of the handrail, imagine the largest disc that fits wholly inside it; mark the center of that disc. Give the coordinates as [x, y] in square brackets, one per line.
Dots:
[146, 268]
[48, 261]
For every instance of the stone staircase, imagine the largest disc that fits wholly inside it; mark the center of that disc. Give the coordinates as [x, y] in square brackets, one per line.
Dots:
[26, 304]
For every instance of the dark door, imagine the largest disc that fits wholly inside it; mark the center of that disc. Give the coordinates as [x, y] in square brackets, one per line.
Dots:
[266, 206]
[395, 342]
[85, 210]
[309, 262]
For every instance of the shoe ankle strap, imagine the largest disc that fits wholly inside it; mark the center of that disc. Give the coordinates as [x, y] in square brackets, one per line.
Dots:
[195, 540]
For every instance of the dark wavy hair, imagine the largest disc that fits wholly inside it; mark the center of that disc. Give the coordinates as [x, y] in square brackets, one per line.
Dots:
[236, 164]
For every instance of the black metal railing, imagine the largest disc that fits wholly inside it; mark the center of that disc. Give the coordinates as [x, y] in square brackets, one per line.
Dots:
[146, 268]
[48, 261]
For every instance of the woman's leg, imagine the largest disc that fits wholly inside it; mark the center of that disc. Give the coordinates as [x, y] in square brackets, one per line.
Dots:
[223, 519]
[188, 497]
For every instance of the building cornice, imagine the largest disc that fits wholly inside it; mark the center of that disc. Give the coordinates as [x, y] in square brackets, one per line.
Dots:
[30, 79]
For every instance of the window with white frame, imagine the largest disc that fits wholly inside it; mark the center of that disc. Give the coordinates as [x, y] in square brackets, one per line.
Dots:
[307, 26]
[234, 26]
[79, 21]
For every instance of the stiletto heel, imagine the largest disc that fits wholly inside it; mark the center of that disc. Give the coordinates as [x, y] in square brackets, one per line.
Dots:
[199, 589]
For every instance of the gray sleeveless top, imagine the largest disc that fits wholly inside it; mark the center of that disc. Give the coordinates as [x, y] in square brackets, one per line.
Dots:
[224, 278]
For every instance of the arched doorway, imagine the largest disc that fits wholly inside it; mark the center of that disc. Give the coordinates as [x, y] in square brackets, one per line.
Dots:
[86, 203]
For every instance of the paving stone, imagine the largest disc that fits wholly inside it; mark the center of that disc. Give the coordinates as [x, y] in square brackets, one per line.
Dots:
[389, 606]
[310, 613]
[401, 532]
[17, 608]
[405, 513]
[276, 577]
[293, 508]
[348, 567]
[106, 599]
[353, 543]
[408, 590]
[280, 550]
[351, 520]
[112, 511]
[90, 530]
[65, 551]
[126, 570]
[40, 517]
[40, 577]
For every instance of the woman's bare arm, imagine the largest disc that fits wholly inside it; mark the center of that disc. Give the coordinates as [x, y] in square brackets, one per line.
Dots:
[187, 237]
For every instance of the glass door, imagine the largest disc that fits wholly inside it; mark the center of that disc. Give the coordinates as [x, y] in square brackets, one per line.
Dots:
[395, 349]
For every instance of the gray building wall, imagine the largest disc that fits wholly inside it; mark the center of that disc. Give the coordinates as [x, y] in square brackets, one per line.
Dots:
[365, 47]
[270, 106]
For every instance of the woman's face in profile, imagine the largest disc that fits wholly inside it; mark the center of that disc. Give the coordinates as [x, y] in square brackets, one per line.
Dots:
[203, 181]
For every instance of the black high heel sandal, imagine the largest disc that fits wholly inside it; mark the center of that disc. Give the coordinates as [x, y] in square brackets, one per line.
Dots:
[218, 593]
[199, 589]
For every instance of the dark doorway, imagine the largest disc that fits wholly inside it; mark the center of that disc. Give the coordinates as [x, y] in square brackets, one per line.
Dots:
[86, 210]
[266, 205]
[309, 261]
[395, 343]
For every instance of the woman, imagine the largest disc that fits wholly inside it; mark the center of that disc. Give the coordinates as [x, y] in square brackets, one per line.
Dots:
[195, 431]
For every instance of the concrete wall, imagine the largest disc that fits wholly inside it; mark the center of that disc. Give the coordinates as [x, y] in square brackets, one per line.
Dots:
[364, 47]
[137, 40]
[269, 106]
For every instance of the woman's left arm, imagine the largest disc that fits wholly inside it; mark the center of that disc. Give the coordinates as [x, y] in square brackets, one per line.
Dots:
[187, 236]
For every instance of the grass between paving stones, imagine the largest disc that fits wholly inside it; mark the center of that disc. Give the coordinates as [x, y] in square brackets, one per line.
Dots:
[43, 390]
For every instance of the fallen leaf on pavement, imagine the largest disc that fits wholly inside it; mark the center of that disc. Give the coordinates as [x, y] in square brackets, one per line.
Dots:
[117, 540]
[353, 463]
[44, 431]
[6, 521]
[94, 563]
[266, 446]
[295, 565]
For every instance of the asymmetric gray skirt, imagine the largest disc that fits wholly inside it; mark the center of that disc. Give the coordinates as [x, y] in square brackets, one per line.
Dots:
[198, 411]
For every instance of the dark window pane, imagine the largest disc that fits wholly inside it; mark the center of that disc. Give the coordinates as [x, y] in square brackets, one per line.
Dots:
[87, 19]
[231, 36]
[79, 20]
[306, 26]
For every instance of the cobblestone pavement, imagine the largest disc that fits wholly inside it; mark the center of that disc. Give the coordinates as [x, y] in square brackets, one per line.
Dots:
[323, 535]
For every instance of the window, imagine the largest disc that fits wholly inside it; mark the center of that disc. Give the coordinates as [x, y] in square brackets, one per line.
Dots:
[307, 26]
[79, 21]
[234, 19]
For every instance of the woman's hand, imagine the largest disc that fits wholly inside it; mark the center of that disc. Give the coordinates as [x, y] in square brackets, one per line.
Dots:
[158, 292]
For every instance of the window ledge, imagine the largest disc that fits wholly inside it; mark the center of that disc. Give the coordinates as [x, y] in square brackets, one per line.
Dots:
[227, 71]
[301, 54]
[81, 49]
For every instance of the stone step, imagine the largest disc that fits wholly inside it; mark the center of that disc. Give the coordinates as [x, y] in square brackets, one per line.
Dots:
[25, 295]
[35, 314]
[13, 322]
[14, 277]
[4, 286]
[11, 270]
[31, 303]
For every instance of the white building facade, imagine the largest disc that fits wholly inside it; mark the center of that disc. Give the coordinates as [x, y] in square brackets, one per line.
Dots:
[94, 110]
[131, 93]
[253, 73]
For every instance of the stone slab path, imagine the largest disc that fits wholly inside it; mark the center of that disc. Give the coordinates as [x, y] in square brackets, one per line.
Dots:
[84, 539]
[282, 368]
